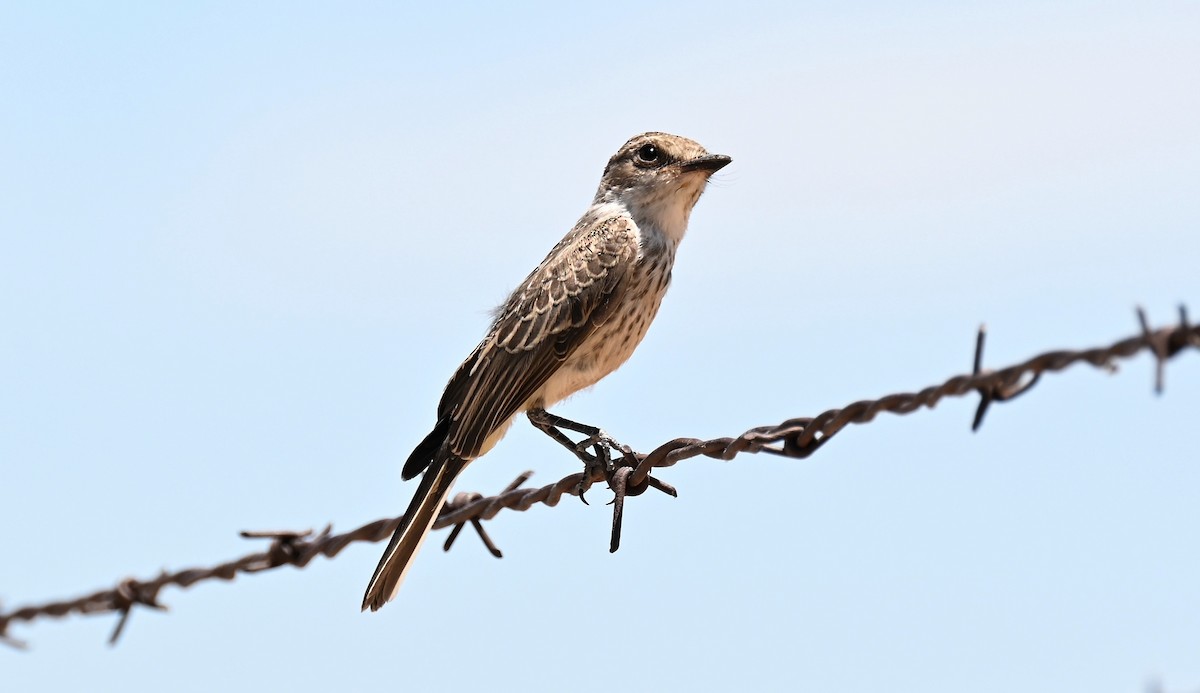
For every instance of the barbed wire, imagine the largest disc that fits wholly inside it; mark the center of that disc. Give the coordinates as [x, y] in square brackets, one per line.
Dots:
[628, 474]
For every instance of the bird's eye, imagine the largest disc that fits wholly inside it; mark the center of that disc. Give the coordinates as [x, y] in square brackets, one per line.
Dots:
[648, 154]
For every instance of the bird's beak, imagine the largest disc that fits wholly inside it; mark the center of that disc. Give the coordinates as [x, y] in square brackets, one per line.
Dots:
[711, 163]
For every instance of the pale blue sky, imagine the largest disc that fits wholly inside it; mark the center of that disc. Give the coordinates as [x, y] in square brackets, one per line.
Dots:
[227, 232]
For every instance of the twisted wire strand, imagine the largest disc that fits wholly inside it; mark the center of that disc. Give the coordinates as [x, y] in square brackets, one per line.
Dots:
[796, 438]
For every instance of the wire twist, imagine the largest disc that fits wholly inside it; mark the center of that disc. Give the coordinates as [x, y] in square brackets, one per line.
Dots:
[628, 476]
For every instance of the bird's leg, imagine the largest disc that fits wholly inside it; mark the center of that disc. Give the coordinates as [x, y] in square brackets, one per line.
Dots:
[596, 439]
[548, 423]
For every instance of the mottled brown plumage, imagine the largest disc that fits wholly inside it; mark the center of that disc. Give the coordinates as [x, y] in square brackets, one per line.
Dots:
[576, 318]
[544, 322]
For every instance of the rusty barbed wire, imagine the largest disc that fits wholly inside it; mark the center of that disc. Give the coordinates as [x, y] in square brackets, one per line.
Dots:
[627, 475]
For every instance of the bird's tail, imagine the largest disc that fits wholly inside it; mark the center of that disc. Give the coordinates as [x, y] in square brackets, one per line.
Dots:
[414, 527]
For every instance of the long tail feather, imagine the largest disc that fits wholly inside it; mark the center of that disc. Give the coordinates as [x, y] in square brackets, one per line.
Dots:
[414, 527]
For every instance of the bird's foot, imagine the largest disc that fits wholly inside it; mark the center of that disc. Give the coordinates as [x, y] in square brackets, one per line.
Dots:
[602, 444]
[594, 451]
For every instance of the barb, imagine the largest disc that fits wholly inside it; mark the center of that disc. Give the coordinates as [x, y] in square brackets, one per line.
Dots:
[797, 438]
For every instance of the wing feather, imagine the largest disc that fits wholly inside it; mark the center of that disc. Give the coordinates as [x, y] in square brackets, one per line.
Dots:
[540, 325]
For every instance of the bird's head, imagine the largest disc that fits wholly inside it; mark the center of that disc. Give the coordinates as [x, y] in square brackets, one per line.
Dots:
[658, 177]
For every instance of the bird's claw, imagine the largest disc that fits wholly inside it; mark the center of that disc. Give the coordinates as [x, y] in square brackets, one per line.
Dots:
[602, 443]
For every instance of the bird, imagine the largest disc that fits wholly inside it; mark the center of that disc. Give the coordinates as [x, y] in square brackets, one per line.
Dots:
[576, 318]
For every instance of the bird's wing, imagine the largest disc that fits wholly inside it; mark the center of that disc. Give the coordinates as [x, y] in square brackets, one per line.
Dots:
[567, 297]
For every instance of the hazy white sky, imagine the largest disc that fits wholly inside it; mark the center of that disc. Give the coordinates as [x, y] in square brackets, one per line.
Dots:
[242, 249]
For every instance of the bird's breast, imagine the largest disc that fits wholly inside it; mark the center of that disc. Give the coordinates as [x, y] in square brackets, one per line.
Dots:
[614, 341]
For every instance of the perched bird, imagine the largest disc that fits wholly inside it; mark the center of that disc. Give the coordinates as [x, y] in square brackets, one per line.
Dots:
[576, 318]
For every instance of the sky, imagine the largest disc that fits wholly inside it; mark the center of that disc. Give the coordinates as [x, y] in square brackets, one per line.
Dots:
[242, 248]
